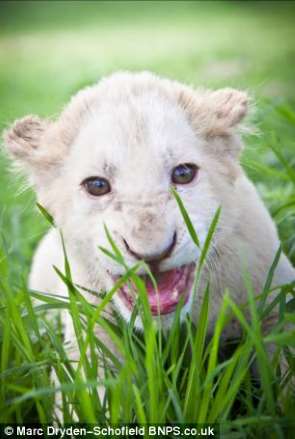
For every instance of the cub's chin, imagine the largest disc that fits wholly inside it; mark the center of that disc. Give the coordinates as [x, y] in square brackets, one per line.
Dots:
[172, 287]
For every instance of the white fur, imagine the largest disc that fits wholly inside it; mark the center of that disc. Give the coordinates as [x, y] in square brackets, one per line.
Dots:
[133, 129]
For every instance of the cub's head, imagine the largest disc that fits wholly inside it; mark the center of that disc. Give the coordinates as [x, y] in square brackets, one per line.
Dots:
[111, 159]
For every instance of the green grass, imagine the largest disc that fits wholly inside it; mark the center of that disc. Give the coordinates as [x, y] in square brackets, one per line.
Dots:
[155, 377]
[49, 50]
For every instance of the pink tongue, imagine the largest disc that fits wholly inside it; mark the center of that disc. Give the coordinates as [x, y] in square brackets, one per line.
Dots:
[165, 282]
[170, 285]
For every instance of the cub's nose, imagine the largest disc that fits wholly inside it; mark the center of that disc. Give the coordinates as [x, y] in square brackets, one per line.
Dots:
[155, 257]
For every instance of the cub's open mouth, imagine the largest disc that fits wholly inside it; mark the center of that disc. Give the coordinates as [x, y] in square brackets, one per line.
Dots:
[172, 285]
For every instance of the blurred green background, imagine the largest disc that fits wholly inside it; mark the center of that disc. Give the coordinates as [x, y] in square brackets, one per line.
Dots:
[50, 49]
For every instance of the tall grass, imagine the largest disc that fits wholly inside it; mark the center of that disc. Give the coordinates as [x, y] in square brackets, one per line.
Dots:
[186, 375]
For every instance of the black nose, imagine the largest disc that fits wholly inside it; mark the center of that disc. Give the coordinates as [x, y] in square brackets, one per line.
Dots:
[152, 258]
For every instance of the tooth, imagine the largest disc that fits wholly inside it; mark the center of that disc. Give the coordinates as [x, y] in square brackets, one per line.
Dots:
[174, 294]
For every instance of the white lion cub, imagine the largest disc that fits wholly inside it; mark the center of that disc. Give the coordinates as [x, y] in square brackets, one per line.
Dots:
[112, 157]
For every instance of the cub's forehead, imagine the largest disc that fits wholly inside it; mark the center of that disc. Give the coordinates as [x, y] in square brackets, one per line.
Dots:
[141, 128]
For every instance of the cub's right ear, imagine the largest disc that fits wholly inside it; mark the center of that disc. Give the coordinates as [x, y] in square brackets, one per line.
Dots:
[25, 141]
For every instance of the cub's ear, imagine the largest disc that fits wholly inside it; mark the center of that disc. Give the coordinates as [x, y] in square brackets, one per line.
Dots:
[25, 141]
[215, 113]
[227, 107]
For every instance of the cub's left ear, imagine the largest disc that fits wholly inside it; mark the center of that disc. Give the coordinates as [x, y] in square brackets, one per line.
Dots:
[225, 109]
[214, 113]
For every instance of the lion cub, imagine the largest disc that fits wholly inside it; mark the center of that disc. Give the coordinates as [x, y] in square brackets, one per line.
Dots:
[111, 158]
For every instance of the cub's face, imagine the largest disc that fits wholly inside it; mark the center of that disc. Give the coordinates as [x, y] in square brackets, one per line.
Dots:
[117, 171]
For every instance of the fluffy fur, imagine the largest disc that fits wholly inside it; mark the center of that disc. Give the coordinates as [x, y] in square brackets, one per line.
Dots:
[133, 129]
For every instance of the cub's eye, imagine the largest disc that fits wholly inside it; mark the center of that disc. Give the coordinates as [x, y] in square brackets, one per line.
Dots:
[96, 186]
[184, 173]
